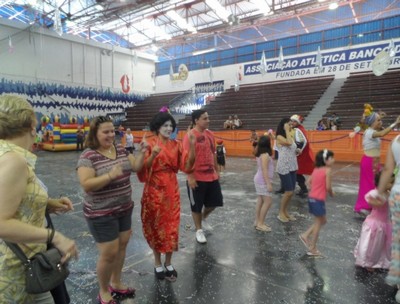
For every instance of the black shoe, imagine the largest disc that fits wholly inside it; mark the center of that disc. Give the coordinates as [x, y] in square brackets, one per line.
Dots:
[302, 193]
[159, 274]
[170, 275]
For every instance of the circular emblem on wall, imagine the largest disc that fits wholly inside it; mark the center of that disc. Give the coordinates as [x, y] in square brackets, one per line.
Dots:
[125, 84]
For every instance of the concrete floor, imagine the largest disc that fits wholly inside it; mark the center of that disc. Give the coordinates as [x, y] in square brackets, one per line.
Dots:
[238, 264]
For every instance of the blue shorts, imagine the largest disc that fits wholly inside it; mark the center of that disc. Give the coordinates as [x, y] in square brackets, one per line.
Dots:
[316, 207]
[288, 181]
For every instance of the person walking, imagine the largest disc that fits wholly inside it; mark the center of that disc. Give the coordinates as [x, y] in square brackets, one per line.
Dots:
[305, 156]
[203, 185]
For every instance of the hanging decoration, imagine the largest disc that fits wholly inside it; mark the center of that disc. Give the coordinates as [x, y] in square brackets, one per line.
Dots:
[211, 74]
[171, 72]
[318, 61]
[281, 61]
[392, 49]
[57, 22]
[263, 64]
[125, 86]
[10, 45]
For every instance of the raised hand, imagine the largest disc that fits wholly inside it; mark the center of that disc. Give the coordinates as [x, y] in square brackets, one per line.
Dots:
[143, 145]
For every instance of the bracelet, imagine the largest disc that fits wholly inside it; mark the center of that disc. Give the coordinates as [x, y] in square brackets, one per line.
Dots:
[50, 235]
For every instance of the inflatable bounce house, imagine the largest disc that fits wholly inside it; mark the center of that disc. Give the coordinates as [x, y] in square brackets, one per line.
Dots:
[61, 137]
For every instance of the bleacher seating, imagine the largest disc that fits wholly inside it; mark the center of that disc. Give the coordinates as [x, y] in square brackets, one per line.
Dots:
[261, 106]
[359, 88]
[140, 115]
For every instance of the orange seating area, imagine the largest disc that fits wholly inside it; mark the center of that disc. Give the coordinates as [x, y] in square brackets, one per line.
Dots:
[346, 149]
[263, 105]
[382, 92]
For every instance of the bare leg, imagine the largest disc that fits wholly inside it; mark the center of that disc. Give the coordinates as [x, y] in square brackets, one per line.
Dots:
[120, 259]
[197, 219]
[283, 213]
[265, 205]
[168, 258]
[157, 258]
[258, 209]
[318, 223]
[106, 263]
[207, 211]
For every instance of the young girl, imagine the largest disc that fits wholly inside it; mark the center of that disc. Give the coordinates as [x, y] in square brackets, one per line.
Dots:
[220, 151]
[373, 246]
[320, 183]
[263, 181]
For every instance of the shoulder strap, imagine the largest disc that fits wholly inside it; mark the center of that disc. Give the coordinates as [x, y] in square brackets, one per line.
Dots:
[18, 252]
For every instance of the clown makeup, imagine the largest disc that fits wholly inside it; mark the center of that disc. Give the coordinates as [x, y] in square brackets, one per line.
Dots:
[166, 129]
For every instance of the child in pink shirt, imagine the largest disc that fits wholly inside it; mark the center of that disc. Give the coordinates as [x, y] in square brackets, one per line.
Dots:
[320, 182]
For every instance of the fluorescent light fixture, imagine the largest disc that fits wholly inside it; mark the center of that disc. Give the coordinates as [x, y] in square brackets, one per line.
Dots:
[262, 6]
[333, 6]
[218, 9]
[180, 21]
[203, 51]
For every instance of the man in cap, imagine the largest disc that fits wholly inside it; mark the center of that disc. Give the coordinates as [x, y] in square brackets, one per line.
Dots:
[305, 157]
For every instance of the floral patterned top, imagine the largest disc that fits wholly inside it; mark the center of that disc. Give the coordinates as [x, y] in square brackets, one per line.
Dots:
[32, 211]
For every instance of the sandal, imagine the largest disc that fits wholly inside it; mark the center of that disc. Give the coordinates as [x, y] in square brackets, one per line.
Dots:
[264, 228]
[122, 293]
[170, 274]
[101, 301]
[314, 253]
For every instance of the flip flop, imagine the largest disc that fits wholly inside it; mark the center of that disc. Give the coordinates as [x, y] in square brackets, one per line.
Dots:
[283, 220]
[304, 242]
[316, 254]
[264, 228]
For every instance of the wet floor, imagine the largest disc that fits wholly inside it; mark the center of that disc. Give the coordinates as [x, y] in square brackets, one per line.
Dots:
[238, 264]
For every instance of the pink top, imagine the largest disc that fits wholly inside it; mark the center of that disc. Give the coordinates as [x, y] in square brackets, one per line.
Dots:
[318, 184]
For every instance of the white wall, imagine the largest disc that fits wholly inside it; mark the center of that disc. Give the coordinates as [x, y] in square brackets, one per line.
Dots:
[42, 55]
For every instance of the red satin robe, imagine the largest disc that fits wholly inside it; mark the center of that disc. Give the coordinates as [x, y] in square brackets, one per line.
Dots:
[161, 198]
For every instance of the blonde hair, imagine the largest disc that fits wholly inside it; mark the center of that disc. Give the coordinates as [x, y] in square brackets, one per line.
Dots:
[16, 116]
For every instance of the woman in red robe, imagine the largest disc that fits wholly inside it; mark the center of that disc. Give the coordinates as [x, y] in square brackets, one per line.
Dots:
[161, 198]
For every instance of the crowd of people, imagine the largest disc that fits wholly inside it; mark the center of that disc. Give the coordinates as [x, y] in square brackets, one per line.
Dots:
[104, 169]
[331, 122]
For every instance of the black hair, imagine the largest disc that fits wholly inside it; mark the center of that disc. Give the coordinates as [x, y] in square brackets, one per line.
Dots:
[263, 146]
[280, 130]
[322, 156]
[159, 119]
[377, 178]
[196, 115]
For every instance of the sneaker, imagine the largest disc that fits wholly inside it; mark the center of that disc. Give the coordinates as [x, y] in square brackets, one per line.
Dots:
[200, 237]
[206, 226]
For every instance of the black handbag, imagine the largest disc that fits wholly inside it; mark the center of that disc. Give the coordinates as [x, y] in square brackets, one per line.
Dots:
[43, 271]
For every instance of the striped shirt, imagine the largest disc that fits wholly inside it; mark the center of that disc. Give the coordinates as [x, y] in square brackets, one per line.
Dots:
[116, 197]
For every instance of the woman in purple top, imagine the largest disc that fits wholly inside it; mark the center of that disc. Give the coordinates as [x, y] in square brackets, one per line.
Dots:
[263, 182]
[104, 170]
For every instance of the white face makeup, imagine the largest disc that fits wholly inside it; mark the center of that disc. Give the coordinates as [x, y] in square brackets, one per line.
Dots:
[166, 129]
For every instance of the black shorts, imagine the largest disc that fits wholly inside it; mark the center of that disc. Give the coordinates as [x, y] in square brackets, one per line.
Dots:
[206, 194]
[107, 228]
[221, 160]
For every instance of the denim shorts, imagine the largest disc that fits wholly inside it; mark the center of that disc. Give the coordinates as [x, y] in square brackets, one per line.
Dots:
[107, 228]
[316, 207]
[288, 181]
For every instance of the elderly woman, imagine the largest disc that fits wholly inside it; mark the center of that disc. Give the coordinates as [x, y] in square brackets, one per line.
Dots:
[161, 199]
[370, 161]
[104, 171]
[23, 202]
[286, 166]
